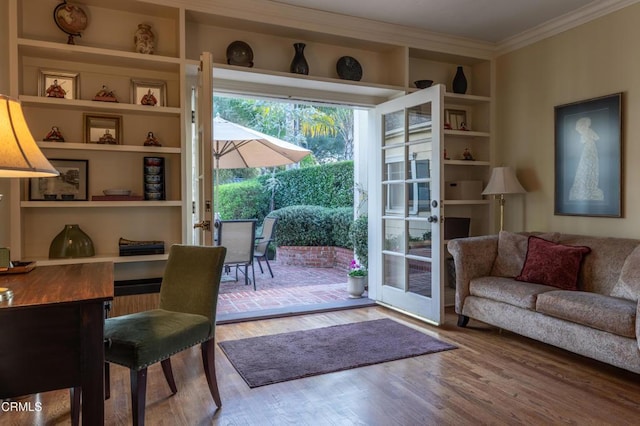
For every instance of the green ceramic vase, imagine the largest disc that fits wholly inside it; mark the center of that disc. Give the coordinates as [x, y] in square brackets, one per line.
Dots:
[71, 242]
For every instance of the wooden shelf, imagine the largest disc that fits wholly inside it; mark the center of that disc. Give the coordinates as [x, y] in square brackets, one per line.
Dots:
[466, 133]
[464, 202]
[466, 163]
[79, 104]
[92, 204]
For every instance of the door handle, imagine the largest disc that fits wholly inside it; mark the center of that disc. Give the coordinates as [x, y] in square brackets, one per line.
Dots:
[432, 219]
[205, 225]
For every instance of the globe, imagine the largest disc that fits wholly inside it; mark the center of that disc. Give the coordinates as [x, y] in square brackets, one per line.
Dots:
[71, 19]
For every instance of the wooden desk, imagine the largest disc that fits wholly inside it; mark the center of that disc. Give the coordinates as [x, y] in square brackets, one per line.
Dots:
[52, 332]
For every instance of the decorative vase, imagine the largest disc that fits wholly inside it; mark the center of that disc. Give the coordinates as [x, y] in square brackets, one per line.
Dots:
[356, 286]
[299, 64]
[459, 82]
[71, 242]
[144, 39]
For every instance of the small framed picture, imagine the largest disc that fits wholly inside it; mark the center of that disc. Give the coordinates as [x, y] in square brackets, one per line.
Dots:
[149, 92]
[58, 84]
[456, 119]
[71, 185]
[103, 129]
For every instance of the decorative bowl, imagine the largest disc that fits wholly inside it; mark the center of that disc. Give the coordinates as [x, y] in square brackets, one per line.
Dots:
[152, 170]
[240, 53]
[152, 161]
[153, 195]
[348, 68]
[153, 187]
[153, 178]
[423, 84]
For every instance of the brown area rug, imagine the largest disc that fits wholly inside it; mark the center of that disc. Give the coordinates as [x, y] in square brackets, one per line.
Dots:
[280, 357]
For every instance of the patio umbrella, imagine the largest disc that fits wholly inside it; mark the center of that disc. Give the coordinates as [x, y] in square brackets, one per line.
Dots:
[238, 147]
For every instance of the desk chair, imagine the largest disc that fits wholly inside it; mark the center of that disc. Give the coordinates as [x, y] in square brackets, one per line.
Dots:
[186, 317]
[238, 237]
[262, 242]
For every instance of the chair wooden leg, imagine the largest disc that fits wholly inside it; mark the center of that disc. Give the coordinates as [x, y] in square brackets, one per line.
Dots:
[168, 374]
[208, 359]
[74, 394]
[138, 395]
[107, 381]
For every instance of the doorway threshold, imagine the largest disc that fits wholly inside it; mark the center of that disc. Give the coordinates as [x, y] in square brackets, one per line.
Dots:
[288, 311]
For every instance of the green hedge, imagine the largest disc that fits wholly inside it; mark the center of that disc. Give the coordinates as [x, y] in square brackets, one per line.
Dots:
[328, 185]
[243, 200]
[313, 226]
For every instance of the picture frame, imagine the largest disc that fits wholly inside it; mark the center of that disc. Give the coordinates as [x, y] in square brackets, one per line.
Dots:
[456, 118]
[588, 157]
[149, 92]
[59, 84]
[103, 129]
[71, 185]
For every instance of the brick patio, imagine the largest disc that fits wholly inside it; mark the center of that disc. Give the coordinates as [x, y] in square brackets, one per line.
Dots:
[291, 286]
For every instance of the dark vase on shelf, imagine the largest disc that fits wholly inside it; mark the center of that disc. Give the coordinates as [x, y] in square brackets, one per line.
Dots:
[299, 64]
[459, 82]
[71, 242]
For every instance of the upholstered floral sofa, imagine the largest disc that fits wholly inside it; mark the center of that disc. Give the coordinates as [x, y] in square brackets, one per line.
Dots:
[579, 293]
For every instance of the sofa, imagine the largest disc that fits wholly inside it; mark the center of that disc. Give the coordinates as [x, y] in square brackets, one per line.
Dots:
[579, 293]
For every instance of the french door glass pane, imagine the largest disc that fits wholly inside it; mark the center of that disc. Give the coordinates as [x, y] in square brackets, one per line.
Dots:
[394, 235]
[393, 128]
[419, 277]
[420, 122]
[394, 271]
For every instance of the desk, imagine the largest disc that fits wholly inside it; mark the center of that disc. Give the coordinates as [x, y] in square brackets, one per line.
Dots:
[51, 335]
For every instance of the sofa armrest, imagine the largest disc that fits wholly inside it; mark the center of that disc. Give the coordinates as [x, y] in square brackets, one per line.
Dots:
[638, 323]
[473, 258]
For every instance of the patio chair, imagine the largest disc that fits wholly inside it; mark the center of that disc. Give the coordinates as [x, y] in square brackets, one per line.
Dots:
[262, 242]
[239, 236]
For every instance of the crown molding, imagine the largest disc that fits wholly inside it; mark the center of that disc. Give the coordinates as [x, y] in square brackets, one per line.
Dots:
[586, 14]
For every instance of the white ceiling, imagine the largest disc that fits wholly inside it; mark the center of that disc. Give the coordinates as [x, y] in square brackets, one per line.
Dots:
[492, 21]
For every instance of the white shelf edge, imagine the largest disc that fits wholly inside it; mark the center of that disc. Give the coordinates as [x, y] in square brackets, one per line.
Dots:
[466, 163]
[102, 258]
[90, 204]
[62, 47]
[467, 133]
[116, 148]
[94, 105]
[465, 99]
[464, 202]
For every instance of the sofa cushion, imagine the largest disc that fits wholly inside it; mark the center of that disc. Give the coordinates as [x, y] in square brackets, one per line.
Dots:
[606, 313]
[512, 251]
[628, 284]
[506, 290]
[552, 264]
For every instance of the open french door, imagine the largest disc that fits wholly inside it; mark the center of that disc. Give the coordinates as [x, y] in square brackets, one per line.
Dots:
[405, 254]
[201, 155]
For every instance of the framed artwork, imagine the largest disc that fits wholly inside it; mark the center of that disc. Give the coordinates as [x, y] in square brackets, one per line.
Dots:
[588, 157]
[58, 84]
[149, 92]
[103, 129]
[456, 119]
[71, 185]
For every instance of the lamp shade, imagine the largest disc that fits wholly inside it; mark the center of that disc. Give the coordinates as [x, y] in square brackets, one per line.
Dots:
[503, 181]
[20, 155]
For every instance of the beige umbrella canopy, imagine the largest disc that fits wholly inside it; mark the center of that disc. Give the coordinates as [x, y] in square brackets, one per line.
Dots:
[237, 147]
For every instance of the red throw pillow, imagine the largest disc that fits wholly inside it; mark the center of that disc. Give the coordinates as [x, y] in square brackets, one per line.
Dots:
[552, 264]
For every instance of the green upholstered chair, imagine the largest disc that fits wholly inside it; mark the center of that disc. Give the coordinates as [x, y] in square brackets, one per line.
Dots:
[186, 317]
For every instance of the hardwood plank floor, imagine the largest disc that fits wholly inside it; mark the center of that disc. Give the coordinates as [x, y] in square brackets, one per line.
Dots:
[492, 378]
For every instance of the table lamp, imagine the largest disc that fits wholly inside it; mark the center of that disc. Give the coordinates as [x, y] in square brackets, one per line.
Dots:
[20, 155]
[503, 181]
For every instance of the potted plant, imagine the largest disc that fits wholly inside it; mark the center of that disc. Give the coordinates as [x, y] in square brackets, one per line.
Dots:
[357, 280]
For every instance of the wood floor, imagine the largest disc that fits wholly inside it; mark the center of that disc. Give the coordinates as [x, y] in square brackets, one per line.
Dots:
[492, 378]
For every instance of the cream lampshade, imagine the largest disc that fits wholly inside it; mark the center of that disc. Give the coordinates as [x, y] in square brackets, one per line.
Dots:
[503, 181]
[19, 153]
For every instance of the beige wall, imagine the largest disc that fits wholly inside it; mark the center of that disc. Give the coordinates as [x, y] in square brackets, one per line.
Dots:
[595, 59]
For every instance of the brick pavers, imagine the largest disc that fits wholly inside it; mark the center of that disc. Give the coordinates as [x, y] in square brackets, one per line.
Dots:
[291, 285]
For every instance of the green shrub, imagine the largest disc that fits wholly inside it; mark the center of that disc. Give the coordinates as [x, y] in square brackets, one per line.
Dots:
[359, 234]
[243, 200]
[303, 226]
[341, 220]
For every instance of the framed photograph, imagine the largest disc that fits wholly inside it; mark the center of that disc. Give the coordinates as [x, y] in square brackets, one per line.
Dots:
[588, 157]
[103, 129]
[456, 119]
[149, 92]
[71, 185]
[58, 84]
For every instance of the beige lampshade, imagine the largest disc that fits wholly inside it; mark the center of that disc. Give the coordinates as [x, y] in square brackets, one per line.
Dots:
[503, 181]
[19, 153]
